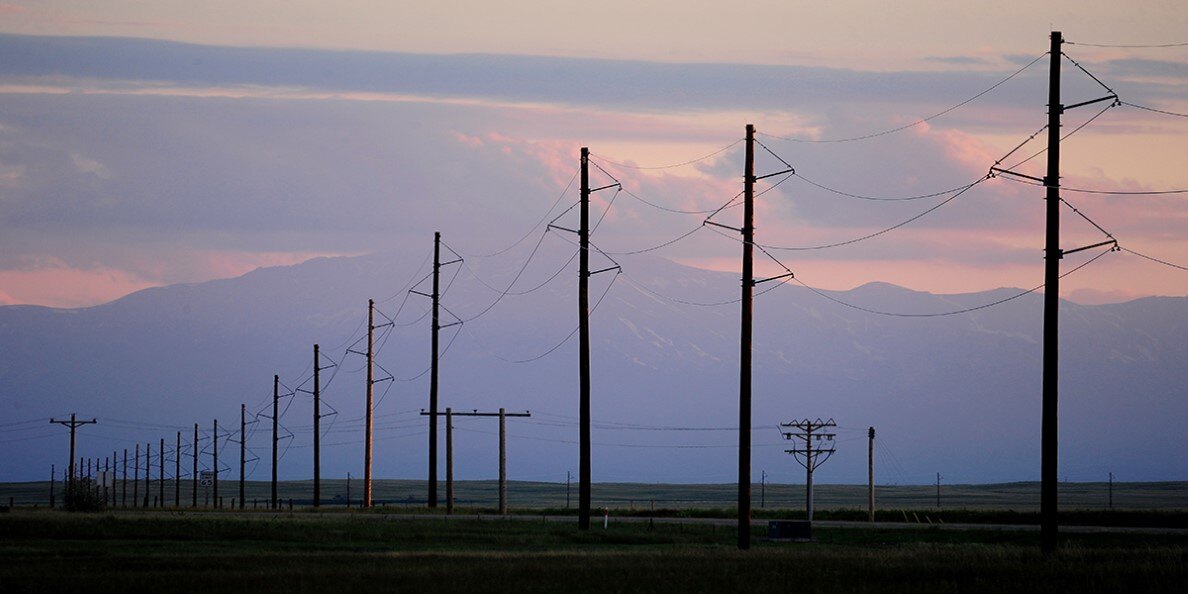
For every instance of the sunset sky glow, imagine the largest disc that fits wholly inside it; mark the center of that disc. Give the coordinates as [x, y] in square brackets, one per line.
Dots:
[144, 144]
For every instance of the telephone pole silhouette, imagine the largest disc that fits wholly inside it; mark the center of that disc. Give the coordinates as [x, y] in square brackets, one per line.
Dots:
[584, 274]
[73, 424]
[214, 441]
[317, 431]
[275, 438]
[242, 450]
[194, 501]
[177, 473]
[746, 319]
[1049, 423]
[808, 456]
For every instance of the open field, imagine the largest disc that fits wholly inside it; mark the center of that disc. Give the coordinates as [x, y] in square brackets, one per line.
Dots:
[1018, 497]
[275, 552]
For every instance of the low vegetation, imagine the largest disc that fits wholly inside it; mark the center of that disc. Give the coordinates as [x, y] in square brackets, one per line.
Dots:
[283, 552]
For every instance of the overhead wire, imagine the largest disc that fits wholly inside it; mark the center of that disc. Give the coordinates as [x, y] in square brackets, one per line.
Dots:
[673, 165]
[917, 122]
[821, 293]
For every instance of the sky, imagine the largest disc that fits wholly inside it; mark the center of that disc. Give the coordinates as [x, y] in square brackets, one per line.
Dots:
[146, 144]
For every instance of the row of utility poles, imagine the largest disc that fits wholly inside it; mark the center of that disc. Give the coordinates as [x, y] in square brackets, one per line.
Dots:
[1053, 254]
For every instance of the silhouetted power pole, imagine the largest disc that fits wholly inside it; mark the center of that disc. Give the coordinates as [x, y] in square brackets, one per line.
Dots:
[317, 430]
[808, 456]
[870, 473]
[215, 469]
[177, 473]
[194, 477]
[370, 401]
[746, 319]
[136, 478]
[583, 232]
[275, 437]
[1049, 423]
[73, 424]
[242, 451]
[161, 475]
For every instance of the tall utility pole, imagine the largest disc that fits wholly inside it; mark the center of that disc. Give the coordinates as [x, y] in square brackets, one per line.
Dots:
[436, 325]
[870, 473]
[177, 473]
[810, 457]
[214, 443]
[584, 274]
[370, 390]
[73, 424]
[744, 382]
[148, 467]
[161, 476]
[584, 467]
[124, 483]
[1049, 423]
[748, 285]
[275, 414]
[1052, 255]
[194, 477]
[502, 461]
[136, 478]
[242, 450]
[317, 431]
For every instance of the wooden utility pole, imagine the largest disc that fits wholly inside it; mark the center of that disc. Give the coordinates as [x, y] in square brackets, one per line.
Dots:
[242, 451]
[1049, 424]
[161, 476]
[449, 460]
[584, 466]
[870, 474]
[73, 424]
[136, 478]
[214, 442]
[177, 473]
[370, 405]
[124, 484]
[194, 501]
[317, 431]
[810, 457]
[744, 385]
[148, 468]
[436, 326]
[275, 414]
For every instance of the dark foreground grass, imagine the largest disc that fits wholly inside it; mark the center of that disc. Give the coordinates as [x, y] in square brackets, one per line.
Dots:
[40, 552]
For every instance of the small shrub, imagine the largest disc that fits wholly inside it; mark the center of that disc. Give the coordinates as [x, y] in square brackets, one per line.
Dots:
[83, 495]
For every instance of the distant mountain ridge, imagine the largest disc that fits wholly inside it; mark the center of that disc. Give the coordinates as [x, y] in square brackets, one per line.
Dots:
[954, 394]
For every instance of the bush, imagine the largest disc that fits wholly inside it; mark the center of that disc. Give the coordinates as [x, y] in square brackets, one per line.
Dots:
[83, 495]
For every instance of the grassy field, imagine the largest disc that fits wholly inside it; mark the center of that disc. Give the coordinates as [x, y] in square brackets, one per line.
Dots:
[42, 550]
[1018, 497]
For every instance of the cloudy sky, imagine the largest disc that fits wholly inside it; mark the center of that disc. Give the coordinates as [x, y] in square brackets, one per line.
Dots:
[144, 144]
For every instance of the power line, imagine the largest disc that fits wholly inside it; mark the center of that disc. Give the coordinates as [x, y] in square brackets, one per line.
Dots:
[919, 121]
[534, 227]
[681, 164]
[881, 231]
[1104, 192]
[881, 199]
[1164, 112]
[947, 313]
[1128, 46]
[1153, 259]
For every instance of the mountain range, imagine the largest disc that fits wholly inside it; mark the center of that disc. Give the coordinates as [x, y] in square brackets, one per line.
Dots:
[950, 393]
